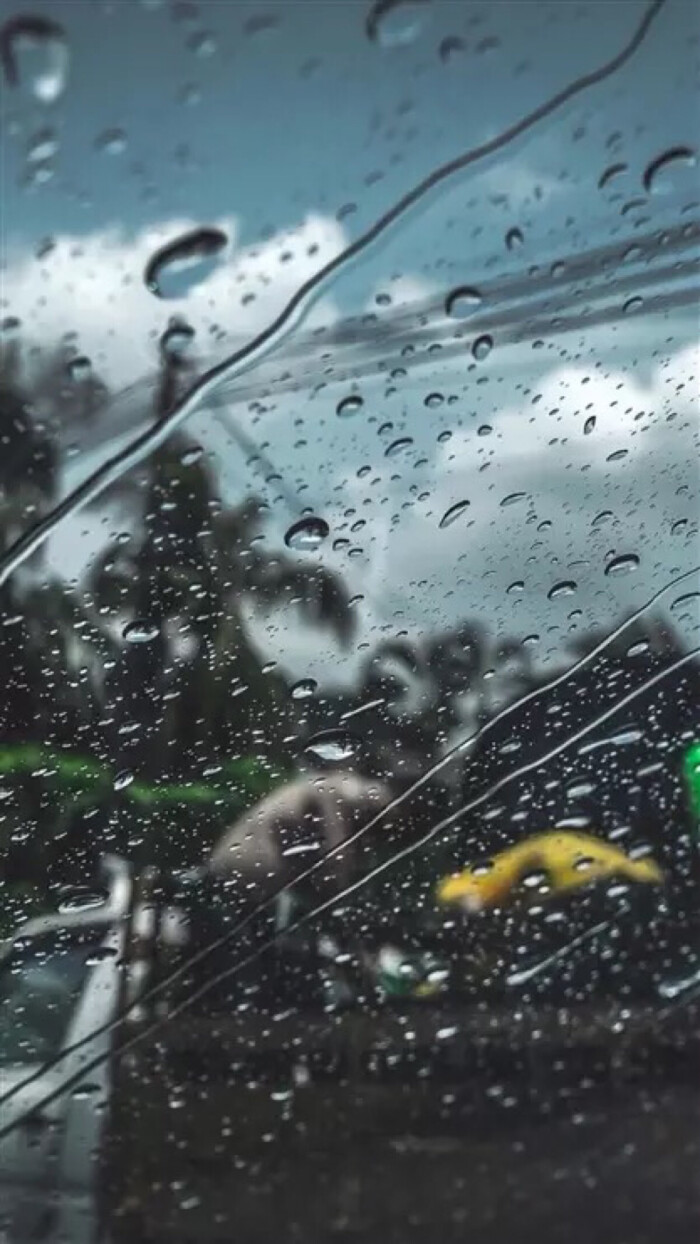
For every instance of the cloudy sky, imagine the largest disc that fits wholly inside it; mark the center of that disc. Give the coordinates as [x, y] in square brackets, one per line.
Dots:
[291, 129]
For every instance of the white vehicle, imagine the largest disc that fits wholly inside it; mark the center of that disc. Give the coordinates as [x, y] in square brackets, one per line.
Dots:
[60, 987]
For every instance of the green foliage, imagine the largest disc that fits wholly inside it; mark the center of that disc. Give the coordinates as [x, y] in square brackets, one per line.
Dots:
[75, 777]
[691, 771]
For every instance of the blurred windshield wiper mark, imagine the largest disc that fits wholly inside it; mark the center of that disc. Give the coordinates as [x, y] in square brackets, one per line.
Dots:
[601, 266]
[218, 943]
[514, 305]
[303, 920]
[520, 324]
[364, 353]
[301, 301]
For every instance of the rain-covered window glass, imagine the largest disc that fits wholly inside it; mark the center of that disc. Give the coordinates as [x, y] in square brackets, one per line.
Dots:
[39, 985]
[349, 621]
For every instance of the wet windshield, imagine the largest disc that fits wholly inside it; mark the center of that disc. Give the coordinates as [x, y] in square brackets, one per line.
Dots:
[40, 983]
[350, 604]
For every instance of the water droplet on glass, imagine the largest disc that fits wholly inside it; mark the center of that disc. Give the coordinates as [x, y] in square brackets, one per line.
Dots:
[10, 327]
[632, 304]
[123, 779]
[307, 534]
[462, 301]
[638, 648]
[626, 736]
[451, 45]
[433, 400]
[603, 517]
[589, 425]
[180, 266]
[35, 56]
[398, 446]
[192, 455]
[482, 347]
[39, 174]
[190, 94]
[516, 588]
[622, 564]
[303, 689]
[614, 170]
[140, 631]
[655, 171]
[633, 205]
[42, 146]
[177, 338]
[101, 954]
[80, 369]
[259, 23]
[533, 880]
[349, 405]
[455, 511]
[202, 43]
[396, 23]
[566, 587]
[77, 899]
[688, 598]
[679, 525]
[112, 142]
[578, 787]
[514, 239]
[332, 745]
[513, 498]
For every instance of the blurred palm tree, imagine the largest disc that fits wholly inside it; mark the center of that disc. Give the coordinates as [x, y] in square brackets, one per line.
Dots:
[192, 690]
[49, 688]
